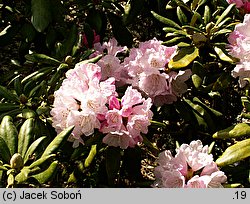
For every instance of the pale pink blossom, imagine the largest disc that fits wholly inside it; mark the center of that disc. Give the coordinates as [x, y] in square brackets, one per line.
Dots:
[125, 121]
[191, 167]
[111, 67]
[111, 48]
[239, 41]
[147, 70]
[82, 101]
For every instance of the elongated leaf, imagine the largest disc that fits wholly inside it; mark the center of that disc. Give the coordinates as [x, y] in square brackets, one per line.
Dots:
[184, 57]
[166, 21]
[58, 141]
[234, 131]
[225, 13]
[132, 10]
[42, 58]
[7, 107]
[4, 151]
[48, 174]
[41, 161]
[25, 136]
[235, 153]
[9, 133]
[41, 14]
[23, 175]
[33, 147]
[91, 156]
[222, 55]
[5, 93]
[207, 15]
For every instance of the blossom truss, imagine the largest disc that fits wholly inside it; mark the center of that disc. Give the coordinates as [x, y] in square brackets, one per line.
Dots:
[126, 120]
[80, 99]
[90, 104]
[239, 47]
[146, 68]
[191, 167]
[241, 4]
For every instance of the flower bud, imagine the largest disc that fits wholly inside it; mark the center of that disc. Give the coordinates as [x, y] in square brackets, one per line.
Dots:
[16, 161]
[68, 59]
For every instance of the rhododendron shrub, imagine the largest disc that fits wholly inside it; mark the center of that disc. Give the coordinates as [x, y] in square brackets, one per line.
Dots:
[191, 167]
[239, 41]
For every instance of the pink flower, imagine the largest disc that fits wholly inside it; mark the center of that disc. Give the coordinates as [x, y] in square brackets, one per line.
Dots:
[239, 41]
[126, 120]
[111, 47]
[147, 70]
[192, 167]
[110, 67]
[239, 3]
[82, 101]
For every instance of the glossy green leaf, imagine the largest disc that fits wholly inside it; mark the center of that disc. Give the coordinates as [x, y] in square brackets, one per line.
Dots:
[25, 136]
[4, 151]
[7, 107]
[58, 141]
[174, 40]
[235, 153]
[33, 147]
[184, 57]
[207, 15]
[41, 14]
[48, 174]
[42, 58]
[41, 161]
[91, 156]
[181, 16]
[7, 94]
[23, 175]
[225, 13]
[222, 55]
[9, 133]
[166, 21]
[234, 131]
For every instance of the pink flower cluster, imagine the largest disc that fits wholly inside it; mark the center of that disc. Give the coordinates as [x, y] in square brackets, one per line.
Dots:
[146, 68]
[244, 4]
[239, 41]
[88, 103]
[192, 167]
[127, 119]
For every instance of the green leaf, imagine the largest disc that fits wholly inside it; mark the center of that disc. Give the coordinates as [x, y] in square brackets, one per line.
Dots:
[42, 58]
[5, 93]
[225, 13]
[23, 175]
[207, 15]
[4, 107]
[91, 156]
[41, 161]
[41, 14]
[181, 16]
[235, 153]
[25, 136]
[9, 133]
[234, 131]
[113, 163]
[184, 57]
[166, 21]
[33, 147]
[4, 151]
[222, 82]
[48, 174]
[222, 55]
[58, 141]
